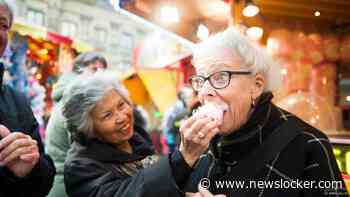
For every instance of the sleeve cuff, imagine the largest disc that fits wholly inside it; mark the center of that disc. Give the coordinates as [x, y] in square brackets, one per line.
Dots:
[180, 169]
[7, 176]
[11, 178]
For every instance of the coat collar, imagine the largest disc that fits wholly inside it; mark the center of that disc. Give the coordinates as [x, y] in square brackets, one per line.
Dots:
[100, 151]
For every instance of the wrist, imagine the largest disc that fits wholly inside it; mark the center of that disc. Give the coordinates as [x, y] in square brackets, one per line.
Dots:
[189, 159]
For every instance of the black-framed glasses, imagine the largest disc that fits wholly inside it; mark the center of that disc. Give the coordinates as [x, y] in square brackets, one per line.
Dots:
[217, 80]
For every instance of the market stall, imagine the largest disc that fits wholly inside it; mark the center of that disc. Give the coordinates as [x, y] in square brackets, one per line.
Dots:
[34, 60]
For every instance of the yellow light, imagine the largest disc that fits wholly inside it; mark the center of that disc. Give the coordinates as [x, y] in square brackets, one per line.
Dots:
[43, 52]
[169, 14]
[250, 10]
[202, 32]
[255, 33]
[336, 151]
[38, 76]
[347, 162]
[317, 13]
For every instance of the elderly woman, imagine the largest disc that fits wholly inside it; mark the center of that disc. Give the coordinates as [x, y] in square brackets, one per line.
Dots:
[111, 156]
[257, 140]
[57, 137]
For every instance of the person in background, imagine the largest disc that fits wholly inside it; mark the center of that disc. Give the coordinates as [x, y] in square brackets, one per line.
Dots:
[25, 170]
[174, 115]
[111, 155]
[257, 141]
[57, 135]
[141, 117]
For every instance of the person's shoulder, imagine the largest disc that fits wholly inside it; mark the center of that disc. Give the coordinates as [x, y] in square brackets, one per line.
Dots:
[306, 131]
[309, 132]
[311, 138]
[13, 94]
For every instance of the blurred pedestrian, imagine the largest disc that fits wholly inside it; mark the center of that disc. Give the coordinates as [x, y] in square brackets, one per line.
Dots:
[25, 170]
[171, 122]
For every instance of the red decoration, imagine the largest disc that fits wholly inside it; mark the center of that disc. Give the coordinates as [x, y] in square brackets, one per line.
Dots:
[58, 39]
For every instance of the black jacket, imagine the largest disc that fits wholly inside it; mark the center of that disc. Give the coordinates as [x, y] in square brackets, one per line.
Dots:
[307, 156]
[16, 115]
[96, 169]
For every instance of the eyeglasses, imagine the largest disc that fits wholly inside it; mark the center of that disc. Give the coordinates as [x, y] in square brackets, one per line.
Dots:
[218, 80]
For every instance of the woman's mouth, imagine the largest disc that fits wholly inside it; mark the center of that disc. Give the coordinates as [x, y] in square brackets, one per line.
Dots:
[125, 128]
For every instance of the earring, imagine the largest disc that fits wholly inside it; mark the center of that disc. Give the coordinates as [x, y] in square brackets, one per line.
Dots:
[252, 103]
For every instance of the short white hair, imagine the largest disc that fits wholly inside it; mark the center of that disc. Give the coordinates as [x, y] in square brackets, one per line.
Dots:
[82, 96]
[227, 46]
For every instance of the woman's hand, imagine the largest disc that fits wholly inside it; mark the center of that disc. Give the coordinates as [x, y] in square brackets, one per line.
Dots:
[196, 135]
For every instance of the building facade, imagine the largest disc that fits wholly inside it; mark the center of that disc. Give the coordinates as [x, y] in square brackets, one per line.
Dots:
[94, 22]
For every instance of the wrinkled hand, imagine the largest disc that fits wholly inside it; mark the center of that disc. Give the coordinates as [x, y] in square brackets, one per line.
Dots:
[18, 151]
[196, 135]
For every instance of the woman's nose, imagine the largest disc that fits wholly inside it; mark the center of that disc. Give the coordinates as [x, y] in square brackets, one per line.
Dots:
[207, 90]
[121, 118]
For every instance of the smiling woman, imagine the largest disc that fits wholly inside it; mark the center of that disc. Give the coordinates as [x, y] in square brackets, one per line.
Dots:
[112, 119]
[112, 156]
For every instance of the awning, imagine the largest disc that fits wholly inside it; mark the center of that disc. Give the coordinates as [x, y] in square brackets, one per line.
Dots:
[40, 33]
[82, 46]
[161, 85]
[57, 38]
[34, 31]
[138, 92]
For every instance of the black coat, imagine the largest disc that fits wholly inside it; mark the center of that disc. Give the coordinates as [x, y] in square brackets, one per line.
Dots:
[97, 169]
[16, 115]
[306, 155]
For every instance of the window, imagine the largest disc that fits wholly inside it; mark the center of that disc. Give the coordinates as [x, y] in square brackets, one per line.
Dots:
[35, 17]
[68, 29]
[85, 27]
[114, 41]
[126, 46]
[100, 36]
[126, 41]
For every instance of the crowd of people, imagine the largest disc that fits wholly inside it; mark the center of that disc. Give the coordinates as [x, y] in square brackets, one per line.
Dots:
[228, 129]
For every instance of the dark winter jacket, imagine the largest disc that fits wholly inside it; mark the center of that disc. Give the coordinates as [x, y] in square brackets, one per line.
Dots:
[275, 148]
[96, 169]
[16, 115]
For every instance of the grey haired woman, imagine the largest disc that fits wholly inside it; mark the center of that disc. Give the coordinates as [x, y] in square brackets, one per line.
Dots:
[110, 155]
[57, 135]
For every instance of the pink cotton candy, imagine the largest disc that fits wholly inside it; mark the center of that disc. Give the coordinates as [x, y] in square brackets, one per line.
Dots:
[211, 110]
